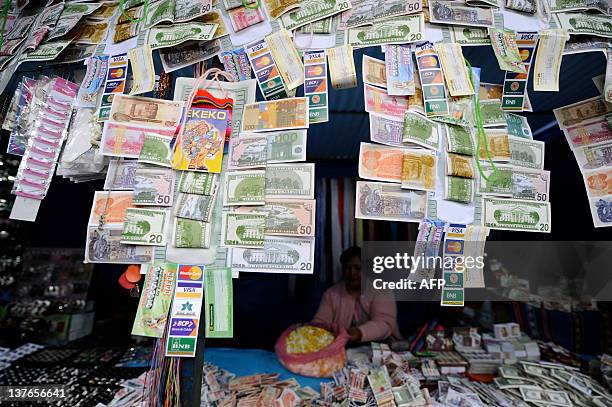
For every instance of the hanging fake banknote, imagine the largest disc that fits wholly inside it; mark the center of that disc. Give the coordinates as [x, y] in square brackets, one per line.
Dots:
[506, 50]
[444, 12]
[155, 300]
[404, 30]
[384, 201]
[342, 67]
[313, 10]
[420, 130]
[280, 254]
[291, 180]
[273, 115]
[219, 300]
[514, 214]
[286, 217]
[143, 71]
[144, 227]
[378, 101]
[373, 71]
[266, 71]
[315, 86]
[171, 36]
[153, 186]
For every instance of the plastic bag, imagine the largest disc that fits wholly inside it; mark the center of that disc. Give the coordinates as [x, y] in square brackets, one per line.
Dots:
[322, 363]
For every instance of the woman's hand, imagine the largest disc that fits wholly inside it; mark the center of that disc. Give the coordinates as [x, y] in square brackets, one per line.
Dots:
[354, 334]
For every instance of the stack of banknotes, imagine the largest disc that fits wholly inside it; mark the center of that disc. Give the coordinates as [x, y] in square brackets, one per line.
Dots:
[587, 128]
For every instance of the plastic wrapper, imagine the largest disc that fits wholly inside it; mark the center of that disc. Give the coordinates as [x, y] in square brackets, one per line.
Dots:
[322, 362]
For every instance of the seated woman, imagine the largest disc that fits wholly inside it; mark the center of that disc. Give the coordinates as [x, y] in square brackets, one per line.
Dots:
[365, 318]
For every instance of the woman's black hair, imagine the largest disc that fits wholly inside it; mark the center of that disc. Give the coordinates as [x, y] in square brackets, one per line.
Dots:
[353, 251]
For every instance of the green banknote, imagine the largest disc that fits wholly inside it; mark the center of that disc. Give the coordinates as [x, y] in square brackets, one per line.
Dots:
[492, 113]
[170, 36]
[156, 150]
[408, 29]
[155, 300]
[516, 214]
[459, 140]
[144, 227]
[420, 130]
[458, 189]
[245, 188]
[243, 229]
[201, 183]
[192, 234]
[313, 10]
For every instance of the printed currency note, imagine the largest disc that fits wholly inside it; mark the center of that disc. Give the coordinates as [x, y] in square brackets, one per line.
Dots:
[281, 114]
[498, 146]
[111, 206]
[506, 50]
[191, 234]
[455, 71]
[90, 32]
[492, 113]
[373, 71]
[276, 8]
[173, 35]
[120, 140]
[548, 60]
[143, 71]
[518, 126]
[368, 12]
[399, 70]
[248, 150]
[443, 12]
[381, 163]
[195, 206]
[342, 67]
[290, 181]
[470, 36]
[598, 183]
[587, 24]
[515, 214]
[387, 130]
[287, 59]
[186, 10]
[146, 112]
[594, 157]
[287, 217]
[378, 101]
[120, 175]
[526, 153]
[153, 186]
[533, 185]
[245, 188]
[587, 133]
[313, 10]
[242, 229]
[188, 53]
[243, 17]
[558, 6]
[104, 246]
[525, 6]
[601, 210]
[584, 110]
[498, 181]
[45, 52]
[201, 183]
[156, 150]
[459, 189]
[289, 255]
[144, 227]
[383, 201]
[155, 300]
[286, 146]
[419, 170]
[459, 165]
[404, 30]
[459, 140]
[420, 130]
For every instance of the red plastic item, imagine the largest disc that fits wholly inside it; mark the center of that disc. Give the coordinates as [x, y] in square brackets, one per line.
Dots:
[132, 273]
[123, 281]
[322, 363]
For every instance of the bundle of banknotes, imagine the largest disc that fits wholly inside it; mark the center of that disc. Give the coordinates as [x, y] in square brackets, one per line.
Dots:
[588, 130]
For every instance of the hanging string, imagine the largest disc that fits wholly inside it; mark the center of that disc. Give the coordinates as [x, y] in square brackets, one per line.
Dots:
[482, 137]
[128, 17]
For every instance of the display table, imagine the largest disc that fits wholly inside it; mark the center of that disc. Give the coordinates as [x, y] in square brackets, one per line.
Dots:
[244, 362]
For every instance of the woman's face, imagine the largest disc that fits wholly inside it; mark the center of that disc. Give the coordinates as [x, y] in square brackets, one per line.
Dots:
[352, 273]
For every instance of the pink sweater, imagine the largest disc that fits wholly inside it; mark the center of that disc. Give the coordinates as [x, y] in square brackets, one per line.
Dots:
[338, 309]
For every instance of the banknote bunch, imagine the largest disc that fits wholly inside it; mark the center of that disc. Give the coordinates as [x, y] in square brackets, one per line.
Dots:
[268, 222]
[586, 126]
